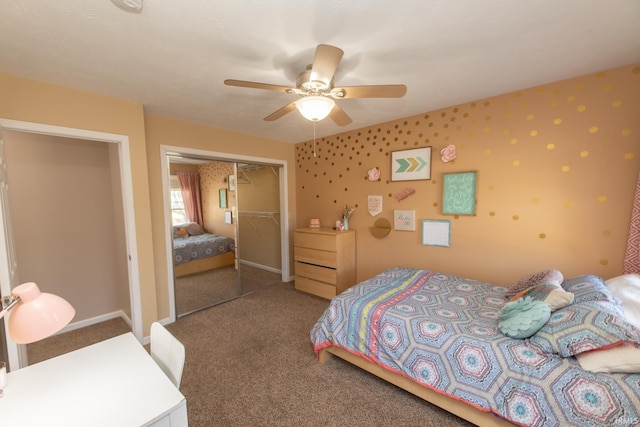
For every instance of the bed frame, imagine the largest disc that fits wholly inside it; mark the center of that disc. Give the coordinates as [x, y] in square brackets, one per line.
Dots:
[456, 407]
[204, 264]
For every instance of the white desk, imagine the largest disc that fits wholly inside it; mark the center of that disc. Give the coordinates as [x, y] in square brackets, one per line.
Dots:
[111, 383]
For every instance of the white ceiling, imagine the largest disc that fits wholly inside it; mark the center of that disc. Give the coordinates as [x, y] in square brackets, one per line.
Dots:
[175, 55]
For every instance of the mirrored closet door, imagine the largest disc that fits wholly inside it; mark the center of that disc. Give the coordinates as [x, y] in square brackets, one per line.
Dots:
[259, 222]
[203, 232]
[234, 248]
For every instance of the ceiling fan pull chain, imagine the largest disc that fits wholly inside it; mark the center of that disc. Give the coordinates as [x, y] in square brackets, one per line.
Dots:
[314, 139]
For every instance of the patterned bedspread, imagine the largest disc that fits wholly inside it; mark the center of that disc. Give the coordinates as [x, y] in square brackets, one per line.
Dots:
[206, 245]
[441, 331]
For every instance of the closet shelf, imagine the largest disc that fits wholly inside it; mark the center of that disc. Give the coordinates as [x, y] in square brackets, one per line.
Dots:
[274, 216]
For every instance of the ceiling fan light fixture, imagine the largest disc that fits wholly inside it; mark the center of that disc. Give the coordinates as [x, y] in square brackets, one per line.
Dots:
[315, 108]
[133, 6]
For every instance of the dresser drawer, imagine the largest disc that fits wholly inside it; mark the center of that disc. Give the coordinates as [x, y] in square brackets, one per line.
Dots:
[320, 241]
[315, 272]
[314, 256]
[320, 289]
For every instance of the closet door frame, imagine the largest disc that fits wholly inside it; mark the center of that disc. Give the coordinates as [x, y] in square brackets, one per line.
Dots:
[165, 151]
[15, 351]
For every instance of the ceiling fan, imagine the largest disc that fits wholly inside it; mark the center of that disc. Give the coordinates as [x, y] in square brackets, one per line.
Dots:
[317, 92]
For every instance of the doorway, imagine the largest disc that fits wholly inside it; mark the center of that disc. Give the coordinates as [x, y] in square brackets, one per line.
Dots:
[118, 153]
[246, 271]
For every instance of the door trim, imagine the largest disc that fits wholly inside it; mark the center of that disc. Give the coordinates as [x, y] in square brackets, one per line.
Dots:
[165, 150]
[124, 156]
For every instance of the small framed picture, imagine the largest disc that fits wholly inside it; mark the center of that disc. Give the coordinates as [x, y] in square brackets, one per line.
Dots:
[223, 198]
[404, 220]
[228, 217]
[232, 182]
[411, 165]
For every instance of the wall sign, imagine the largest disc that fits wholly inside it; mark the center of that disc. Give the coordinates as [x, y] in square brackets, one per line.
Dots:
[459, 193]
[374, 205]
[404, 220]
[411, 165]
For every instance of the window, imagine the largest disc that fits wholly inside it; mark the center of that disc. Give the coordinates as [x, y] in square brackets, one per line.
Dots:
[178, 212]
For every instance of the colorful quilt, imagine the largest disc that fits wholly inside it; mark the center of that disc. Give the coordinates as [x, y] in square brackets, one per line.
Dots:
[441, 331]
[205, 245]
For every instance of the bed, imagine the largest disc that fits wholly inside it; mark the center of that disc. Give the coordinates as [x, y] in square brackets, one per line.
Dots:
[200, 251]
[440, 337]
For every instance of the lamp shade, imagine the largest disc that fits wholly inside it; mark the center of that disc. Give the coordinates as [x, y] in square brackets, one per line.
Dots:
[38, 315]
[315, 107]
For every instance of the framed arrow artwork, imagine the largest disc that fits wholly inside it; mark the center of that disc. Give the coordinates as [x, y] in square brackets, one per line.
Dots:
[411, 165]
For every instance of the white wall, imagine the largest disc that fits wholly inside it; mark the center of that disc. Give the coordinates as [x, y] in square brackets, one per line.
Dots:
[66, 209]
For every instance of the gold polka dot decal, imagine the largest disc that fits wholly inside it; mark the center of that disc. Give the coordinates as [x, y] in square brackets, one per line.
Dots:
[516, 163]
[513, 141]
[629, 156]
[593, 129]
[542, 236]
[533, 133]
[581, 108]
[551, 146]
[568, 204]
[492, 214]
[557, 121]
[535, 201]
[584, 154]
[606, 233]
[602, 199]
[515, 217]
[565, 168]
[604, 262]
[626, 132]
[616, 104]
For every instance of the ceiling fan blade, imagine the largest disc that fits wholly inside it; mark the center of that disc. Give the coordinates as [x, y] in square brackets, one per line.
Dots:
[281, 112]
[380, 91]
[338, 115]
[256, 85]
[325, 63]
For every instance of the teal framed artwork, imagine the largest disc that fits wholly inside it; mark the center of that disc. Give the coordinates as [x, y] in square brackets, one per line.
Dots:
[459, 193]
[223, 198]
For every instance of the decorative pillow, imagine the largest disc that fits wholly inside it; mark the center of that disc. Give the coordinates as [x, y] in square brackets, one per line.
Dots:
[194, 229]
[534, 279]
[585, 326]
[549, 292]
[627, 289]
[179, 231]
[624, 358]
[588, 288]
[523, 317]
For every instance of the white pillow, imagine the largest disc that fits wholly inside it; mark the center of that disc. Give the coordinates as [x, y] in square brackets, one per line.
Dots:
[623, 358]
[627, 289]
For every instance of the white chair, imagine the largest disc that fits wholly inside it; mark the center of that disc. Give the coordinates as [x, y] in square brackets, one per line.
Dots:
[168, 352]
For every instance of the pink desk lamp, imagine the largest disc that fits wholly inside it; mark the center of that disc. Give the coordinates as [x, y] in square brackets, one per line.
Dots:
[36, 315]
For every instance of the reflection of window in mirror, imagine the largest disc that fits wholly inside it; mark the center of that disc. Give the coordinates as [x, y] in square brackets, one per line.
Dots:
[178, 212]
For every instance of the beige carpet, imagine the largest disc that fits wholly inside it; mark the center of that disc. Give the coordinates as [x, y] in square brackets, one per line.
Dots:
[250, 363]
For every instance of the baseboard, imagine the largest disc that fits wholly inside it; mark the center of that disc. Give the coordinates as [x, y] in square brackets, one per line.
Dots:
[95, 320]
[262, 267]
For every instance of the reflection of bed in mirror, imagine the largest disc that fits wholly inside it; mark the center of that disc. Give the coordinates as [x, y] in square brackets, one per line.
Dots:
[197, 252]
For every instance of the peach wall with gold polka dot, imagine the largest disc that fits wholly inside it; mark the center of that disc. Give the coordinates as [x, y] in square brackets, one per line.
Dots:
[557, 167]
